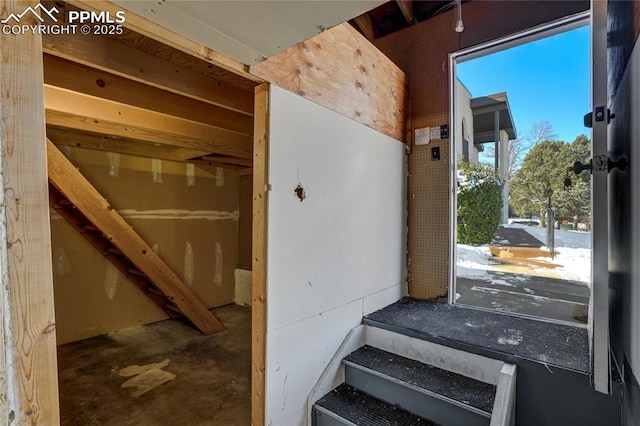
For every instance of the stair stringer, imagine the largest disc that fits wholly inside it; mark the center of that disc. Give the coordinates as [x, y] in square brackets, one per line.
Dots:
[108, 229]
[333, 374]
[477, 367]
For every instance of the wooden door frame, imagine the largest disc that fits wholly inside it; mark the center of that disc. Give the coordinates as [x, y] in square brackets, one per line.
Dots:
[259, 253]
[28, 363]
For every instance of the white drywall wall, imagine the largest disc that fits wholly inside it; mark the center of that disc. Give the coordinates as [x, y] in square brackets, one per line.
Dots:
[333, 256]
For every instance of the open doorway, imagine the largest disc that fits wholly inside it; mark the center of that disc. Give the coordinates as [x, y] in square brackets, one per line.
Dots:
[522, 217]
[175, 167]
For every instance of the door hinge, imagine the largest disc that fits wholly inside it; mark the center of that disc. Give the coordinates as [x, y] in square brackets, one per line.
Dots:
[601, 163]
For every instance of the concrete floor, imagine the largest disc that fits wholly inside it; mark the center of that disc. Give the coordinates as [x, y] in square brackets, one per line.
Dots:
[211, 385]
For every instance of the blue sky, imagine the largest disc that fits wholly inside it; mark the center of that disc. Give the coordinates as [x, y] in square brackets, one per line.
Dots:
[545, 80]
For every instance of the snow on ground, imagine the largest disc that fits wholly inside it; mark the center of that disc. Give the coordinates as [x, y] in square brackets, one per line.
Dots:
[474, 262]
[573, 254]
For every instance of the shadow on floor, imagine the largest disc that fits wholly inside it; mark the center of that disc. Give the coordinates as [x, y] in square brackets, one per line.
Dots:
[212, 375]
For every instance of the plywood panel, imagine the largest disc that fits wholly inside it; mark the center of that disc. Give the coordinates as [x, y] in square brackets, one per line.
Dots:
[341, 70]
[28, 371]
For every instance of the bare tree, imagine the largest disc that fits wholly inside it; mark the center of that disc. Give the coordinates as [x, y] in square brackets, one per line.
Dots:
[539, 131]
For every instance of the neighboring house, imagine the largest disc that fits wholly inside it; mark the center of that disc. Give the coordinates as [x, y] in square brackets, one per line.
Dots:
[483, 120]
[465, 148]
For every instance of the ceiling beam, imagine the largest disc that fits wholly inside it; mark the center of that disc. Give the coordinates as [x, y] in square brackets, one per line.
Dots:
[159, 33]
[107, 55]
[85, 113]
[81, 78]
[366, 25]
[66, 137]
[230, 160]
[406, 7]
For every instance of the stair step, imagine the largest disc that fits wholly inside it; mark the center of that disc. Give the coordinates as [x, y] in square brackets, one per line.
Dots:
[425, 390]
[346, 405]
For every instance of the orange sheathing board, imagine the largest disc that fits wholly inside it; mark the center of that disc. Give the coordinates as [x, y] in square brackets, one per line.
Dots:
[422, 52]
[343, 71]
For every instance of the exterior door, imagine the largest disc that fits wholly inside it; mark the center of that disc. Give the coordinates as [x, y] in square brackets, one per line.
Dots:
[599, 304]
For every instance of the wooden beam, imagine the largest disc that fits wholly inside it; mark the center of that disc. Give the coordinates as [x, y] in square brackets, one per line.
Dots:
[79, 191]
[89, 114]
[110, 56]
[157, 32]
[259, 255]
[28, 367]
[406, 7]
[124, 146]
[229, 160]
[365, 23]
[344, 72]
[81, 78]
[245, 172]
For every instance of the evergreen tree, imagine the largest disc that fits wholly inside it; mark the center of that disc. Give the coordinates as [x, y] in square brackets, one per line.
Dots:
[543, 168]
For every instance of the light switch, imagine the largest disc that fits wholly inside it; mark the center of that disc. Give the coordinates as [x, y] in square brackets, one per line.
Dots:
[435, 153]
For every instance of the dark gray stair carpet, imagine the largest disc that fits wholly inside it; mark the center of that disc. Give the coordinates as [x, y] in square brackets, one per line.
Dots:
[364, 410]
[454, 386]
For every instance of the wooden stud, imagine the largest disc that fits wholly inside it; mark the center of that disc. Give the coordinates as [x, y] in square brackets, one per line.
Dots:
[259, 251]
[157, 32]
[81, 78]
[66, 137]
[77, 189]
[366, 25]
[230, 160]
[110, 56]
[73, 110]
[406, 7]
[28, 368]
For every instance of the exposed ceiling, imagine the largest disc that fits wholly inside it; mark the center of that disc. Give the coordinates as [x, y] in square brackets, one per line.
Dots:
[397, 14]
[248, 31]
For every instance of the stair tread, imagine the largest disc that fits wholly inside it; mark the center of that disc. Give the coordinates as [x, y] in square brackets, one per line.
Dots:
[362, 409]
[469, 391]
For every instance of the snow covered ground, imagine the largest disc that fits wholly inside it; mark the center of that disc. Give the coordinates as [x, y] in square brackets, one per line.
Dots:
[573, 255]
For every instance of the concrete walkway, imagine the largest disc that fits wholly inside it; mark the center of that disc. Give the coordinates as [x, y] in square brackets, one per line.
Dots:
[515, 237]
[515, 292]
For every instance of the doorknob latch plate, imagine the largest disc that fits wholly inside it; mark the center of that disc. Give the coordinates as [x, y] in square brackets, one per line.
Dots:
[602, 113]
